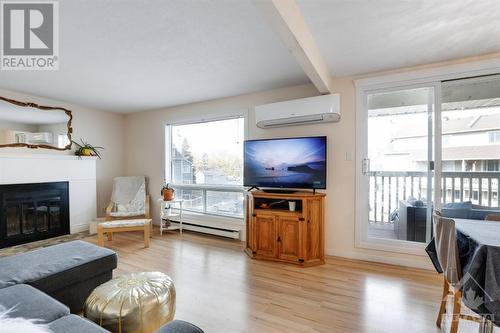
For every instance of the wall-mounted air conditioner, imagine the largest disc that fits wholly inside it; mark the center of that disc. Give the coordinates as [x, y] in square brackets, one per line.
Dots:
[40, 138]
[304, 111]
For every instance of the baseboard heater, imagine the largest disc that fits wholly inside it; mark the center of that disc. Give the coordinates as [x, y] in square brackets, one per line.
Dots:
[235, 234]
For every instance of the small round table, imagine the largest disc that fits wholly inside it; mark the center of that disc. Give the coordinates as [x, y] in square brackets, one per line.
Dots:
[137, 302]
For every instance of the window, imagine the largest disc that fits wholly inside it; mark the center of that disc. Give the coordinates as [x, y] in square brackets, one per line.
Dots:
[493, 165]
[494, 137]
[205, 165]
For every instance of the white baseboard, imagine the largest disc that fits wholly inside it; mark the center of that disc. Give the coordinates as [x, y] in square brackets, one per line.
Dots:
[205, 230]
[407, 262]
[79, 228]
[216, 225]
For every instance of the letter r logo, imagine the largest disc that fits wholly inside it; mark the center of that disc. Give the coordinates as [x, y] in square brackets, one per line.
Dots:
[28, 28]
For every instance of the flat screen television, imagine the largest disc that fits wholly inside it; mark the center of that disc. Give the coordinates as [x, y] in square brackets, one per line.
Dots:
[292, 163]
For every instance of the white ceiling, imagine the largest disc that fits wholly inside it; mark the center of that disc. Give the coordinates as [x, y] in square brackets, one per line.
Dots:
[362, 36]
[135, 55]
[130, 55]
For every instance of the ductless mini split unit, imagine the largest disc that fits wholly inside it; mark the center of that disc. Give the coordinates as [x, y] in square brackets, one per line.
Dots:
[304, 111]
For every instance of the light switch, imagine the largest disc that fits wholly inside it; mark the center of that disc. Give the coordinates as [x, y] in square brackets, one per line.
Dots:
[348, 156]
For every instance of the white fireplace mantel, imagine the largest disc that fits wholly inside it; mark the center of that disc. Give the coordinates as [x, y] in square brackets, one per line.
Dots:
[44, 168]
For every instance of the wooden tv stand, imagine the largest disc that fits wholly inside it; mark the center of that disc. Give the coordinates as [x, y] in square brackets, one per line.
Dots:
[275, 233]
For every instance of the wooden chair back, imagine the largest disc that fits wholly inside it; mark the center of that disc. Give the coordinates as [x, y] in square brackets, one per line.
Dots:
[446, 248]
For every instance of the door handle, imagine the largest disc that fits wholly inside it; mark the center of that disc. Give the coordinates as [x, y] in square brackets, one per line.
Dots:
[365, 166]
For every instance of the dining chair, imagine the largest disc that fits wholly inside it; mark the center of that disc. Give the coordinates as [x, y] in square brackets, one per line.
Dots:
[492, 217]
[449, 260]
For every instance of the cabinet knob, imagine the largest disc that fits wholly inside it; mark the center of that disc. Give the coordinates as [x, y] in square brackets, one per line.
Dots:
[279, 239]
[301, 219]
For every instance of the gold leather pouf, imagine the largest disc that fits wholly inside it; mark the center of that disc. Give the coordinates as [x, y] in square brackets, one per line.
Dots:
[133, 303]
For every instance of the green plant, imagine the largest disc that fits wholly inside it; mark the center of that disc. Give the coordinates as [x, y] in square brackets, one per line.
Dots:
[86, 149]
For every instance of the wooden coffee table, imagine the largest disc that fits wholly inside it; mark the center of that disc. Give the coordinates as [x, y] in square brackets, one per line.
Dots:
[111, 227]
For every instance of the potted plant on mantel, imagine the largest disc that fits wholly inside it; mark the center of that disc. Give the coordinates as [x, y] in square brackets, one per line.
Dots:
[168, 192]
[86, 149]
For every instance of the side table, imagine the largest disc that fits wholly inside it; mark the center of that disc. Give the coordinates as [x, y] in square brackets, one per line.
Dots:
[170, 210]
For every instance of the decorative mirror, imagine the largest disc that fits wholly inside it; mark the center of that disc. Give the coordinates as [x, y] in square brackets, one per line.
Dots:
[34, 126]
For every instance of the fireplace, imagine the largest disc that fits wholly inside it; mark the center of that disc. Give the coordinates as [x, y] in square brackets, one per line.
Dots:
[31, 212]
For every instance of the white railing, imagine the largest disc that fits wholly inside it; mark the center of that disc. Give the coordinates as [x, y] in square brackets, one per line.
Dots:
[387, 188]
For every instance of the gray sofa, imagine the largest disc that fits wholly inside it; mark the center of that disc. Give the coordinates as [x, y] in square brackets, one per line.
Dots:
[67, 272]
[50, 283]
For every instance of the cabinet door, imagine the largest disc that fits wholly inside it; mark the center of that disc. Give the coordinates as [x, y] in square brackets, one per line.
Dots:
[250, 223]
[289, 238]
[314, 233]
[266, 236]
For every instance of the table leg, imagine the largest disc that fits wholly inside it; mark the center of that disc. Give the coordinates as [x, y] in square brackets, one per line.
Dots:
[180, 218]
[146, 235]
[100, 237]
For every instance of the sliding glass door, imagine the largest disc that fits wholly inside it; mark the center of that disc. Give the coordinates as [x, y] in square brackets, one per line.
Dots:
[405, 133]
[470, 153]
[397, 169]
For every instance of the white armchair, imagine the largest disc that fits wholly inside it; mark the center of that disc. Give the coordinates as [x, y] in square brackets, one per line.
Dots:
[129, 199]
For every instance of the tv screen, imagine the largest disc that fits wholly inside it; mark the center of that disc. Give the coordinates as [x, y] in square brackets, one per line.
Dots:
[286, 163]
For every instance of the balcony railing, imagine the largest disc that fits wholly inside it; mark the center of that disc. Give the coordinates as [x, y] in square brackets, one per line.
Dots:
[387, 188]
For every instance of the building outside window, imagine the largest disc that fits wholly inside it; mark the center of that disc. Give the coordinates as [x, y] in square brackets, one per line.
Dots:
[494, 136]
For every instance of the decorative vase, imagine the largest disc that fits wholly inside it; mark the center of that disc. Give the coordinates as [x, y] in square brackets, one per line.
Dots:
[168, 194]
[86, 152]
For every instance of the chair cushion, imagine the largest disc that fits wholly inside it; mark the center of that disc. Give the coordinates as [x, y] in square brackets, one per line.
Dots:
[127, 214]
[56, 267]
[30, 303]
[179, 326]
[75, 324]
[458, 205]
[127, 197]
[124, 223]
[458, 213]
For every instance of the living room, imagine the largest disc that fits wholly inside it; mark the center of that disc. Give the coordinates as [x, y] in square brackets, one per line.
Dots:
[158, 107]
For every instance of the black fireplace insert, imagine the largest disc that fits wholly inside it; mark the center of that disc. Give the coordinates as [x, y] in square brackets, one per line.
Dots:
[31, 212]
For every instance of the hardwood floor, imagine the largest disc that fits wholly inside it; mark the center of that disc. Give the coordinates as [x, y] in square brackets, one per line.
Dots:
[222, 290]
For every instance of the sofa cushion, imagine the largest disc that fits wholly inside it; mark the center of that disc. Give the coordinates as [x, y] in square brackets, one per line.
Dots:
[456, 213]
[55, 267]
[415, 202]
[30, 303]
[75, 324]
[179, 326]
[458, 205]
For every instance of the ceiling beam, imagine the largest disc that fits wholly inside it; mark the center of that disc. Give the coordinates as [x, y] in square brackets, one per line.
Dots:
[287, 20]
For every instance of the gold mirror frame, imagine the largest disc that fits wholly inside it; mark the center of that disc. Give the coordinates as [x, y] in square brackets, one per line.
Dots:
[44, 108]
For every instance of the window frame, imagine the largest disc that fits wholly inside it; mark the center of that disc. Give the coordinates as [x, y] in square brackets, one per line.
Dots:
[204, 188]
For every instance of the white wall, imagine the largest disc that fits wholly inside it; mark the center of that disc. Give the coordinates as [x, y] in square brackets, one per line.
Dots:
[98, 128]
[145, 139]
